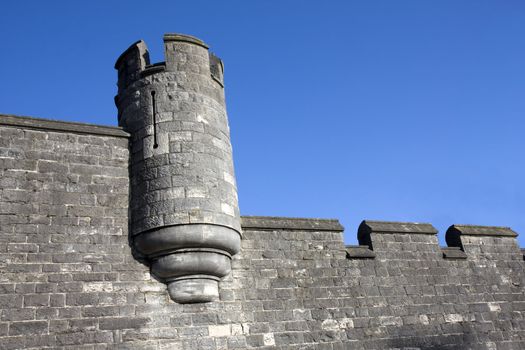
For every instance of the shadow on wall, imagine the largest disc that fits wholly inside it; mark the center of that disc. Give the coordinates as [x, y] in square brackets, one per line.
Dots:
[464, 339]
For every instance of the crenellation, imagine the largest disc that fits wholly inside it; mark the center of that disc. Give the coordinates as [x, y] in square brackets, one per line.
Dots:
[131, 63]
[399, 240]
[485, 242]
[217, 69]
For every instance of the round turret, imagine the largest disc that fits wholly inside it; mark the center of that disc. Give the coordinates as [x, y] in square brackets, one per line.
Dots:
[184, 216]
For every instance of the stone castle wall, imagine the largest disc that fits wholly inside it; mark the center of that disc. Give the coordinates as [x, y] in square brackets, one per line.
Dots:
[68, 279]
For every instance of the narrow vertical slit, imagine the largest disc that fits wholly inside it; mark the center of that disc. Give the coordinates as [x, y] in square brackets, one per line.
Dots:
[154, 105]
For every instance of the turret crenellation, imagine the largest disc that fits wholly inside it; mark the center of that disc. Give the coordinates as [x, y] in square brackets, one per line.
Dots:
[131, 63]
[183, 53]
[217, 69]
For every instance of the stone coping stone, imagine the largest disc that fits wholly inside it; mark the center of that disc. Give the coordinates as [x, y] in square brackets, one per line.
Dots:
[61, 126]
[128, 50]
[283, 223]
[359, 252]
[453, 253]
[185, 38]
[472, 230]
[369, 226]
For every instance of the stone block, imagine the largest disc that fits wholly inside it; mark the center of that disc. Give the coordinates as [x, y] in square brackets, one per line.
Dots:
[28, 328]
[122, 323]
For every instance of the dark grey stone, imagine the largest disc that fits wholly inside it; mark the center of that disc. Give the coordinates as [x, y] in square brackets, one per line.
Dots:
[481, 230]
[282, 223]
[182, 205]
[28, 327]
[122, 323]
[453, 253]
[359, 252]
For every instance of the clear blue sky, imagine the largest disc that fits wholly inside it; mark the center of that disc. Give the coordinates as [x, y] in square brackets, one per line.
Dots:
[386, 110]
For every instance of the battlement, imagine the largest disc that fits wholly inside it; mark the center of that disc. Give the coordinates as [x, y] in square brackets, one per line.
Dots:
[377, 239]
[398, 240]
[395, 240]
[183, 54]
[484, 242]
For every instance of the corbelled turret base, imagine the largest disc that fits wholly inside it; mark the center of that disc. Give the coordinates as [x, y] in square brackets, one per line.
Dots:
[197, 289]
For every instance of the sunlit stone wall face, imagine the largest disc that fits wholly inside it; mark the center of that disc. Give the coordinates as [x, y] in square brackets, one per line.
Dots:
[184, 216]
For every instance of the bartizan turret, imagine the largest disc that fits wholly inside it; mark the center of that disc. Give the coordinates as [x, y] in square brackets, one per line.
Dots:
[184, 216]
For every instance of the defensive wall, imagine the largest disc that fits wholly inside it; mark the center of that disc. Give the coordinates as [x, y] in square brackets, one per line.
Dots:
[71, 276]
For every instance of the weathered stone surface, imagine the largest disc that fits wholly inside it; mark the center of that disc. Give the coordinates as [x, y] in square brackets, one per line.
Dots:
[183, 207]
[300, 224]
[484, 242]
[29, 123]
[68, 279]
[379, 235]
[481, 230]
[397, 227]
[453, 253]
[359, 252]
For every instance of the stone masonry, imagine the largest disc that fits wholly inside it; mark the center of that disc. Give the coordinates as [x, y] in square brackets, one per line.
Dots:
[71, 276]
[184, 217]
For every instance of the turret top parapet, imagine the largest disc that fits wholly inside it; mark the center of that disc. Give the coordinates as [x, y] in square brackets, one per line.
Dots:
[184, 38]
[134, 63]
